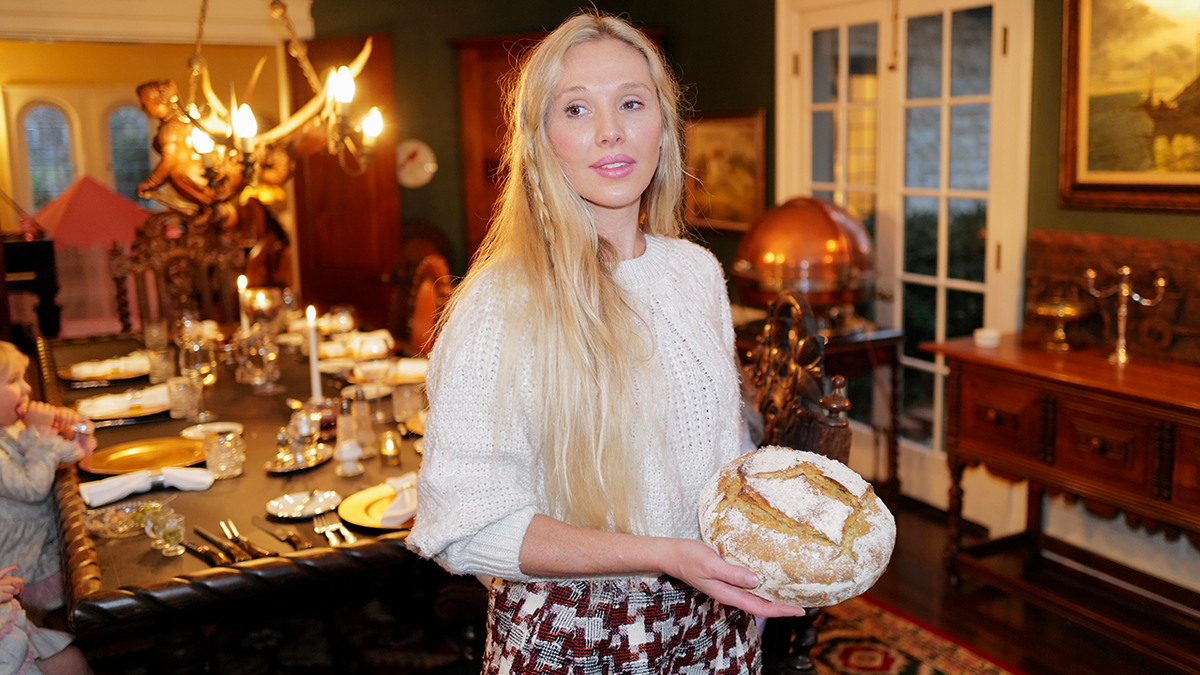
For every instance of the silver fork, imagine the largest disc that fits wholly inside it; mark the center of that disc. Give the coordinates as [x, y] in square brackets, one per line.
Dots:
[323, 525]
[342, 530]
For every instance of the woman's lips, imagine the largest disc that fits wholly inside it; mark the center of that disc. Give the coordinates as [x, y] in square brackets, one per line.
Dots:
[614, 166]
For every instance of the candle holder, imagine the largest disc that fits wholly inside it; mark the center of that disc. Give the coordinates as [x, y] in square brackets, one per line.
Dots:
[1124, 289]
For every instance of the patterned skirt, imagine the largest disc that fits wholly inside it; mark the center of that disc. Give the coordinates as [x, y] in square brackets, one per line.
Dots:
[616, 626]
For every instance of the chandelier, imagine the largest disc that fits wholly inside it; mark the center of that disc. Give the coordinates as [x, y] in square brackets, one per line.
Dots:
[213, 150]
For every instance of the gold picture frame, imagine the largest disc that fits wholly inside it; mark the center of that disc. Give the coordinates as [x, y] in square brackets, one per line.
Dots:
[1127, 112]
[726, 170]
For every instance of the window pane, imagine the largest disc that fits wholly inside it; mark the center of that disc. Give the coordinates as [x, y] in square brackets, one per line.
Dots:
[827, 195]
[964, 313]
[920, 235]
[861, 139]
[916, 422]
[920, 313]
[861, 205]
[825, 65]
[971, 52]
[968, 239]
[922, 147]
[824, 147]
[48, 144]
[969, 138]
[925, 56]
[129, 136]
[864, 62]
[860, 391]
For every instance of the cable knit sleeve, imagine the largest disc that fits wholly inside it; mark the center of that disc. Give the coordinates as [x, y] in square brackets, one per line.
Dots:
[28, 463]
[476, 490]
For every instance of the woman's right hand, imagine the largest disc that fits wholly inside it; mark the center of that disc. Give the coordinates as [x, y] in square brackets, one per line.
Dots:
[10, 587]
[702, 568]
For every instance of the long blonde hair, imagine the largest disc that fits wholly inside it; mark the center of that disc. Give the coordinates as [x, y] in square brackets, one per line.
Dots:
[586, 352]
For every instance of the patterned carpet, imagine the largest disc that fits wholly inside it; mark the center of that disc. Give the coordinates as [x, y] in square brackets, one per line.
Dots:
[859, 637]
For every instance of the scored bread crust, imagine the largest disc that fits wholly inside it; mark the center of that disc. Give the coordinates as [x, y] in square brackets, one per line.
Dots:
[809, 527]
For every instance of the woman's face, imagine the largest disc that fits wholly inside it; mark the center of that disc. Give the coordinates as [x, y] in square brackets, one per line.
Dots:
[605, 125]
[14, 392]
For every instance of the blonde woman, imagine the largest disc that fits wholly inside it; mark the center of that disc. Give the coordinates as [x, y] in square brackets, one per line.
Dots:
[584, 386]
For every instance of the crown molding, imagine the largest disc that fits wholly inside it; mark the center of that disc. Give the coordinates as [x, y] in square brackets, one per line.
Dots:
[235, 22]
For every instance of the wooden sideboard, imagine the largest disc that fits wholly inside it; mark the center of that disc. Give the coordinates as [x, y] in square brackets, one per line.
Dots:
[1121, 439]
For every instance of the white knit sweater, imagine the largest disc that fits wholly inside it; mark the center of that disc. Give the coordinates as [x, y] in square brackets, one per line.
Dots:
[478, 490]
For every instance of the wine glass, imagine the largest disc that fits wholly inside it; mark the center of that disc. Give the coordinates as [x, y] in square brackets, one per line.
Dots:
[172, 532]
[265, 306]
[374, 361]
[195, 363]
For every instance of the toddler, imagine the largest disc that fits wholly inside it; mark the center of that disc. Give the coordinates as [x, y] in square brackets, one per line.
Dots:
[33, 442]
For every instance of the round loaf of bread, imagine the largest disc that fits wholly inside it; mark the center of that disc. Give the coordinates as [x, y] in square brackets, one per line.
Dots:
[809, 527]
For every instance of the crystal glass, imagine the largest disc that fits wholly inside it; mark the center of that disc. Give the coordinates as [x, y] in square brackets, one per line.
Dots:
[373, 361]
[154, 335]
[181, 397]
[162, 366]
[266, 307]
[407, 400]
[172, 531]
[202, 413]
[258, 362]
[196, 354]
[224, 454]
[156, 517]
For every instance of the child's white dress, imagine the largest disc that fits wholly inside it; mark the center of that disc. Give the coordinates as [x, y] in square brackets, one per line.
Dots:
[21, 642]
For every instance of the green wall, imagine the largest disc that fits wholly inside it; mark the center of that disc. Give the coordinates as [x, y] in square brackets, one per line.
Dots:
[723, 53]
[1044, 213]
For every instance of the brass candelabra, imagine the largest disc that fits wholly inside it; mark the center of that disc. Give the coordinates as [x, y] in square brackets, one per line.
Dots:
[1124, 288]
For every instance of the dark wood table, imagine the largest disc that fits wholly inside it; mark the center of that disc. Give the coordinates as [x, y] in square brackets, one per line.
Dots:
[122, 585]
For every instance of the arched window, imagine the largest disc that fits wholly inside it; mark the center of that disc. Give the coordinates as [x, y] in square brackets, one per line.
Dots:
[129, 137]
[48, 148]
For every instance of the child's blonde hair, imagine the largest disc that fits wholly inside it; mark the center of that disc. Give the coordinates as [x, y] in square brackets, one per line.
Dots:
[11, 358]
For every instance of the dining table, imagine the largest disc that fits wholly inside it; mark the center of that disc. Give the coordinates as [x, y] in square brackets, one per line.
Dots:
[121, 586]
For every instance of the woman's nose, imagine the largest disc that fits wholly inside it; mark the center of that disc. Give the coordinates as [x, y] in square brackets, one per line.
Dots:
[609, 129]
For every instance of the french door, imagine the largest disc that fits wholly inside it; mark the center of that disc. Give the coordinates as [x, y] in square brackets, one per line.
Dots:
[913, 115]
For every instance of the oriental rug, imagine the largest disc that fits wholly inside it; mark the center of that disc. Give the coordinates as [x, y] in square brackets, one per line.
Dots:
[861, 637]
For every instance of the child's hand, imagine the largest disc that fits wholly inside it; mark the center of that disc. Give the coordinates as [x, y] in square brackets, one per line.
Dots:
[10, 587]
[40, 415]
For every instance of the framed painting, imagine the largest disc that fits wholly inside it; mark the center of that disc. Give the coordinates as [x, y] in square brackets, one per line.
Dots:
[726, 170]
[1130, 105]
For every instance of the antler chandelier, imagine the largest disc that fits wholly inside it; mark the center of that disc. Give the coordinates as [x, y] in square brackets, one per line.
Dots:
[223, 140]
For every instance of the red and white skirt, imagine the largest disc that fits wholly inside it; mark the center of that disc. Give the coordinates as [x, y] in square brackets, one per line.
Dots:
[631, 626]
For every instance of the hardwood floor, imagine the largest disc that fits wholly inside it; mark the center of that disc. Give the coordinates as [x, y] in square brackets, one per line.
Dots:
[1006, 629]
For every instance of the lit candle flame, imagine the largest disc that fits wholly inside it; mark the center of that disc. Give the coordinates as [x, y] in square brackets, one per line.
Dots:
[311, 313]
[241, 282]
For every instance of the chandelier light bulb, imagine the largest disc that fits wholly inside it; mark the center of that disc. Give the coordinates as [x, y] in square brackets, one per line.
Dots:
[343, 90]
[202, 143]
[244, 127]
[372, 126]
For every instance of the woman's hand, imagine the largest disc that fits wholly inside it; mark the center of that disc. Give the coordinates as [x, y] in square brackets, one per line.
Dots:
[702, 568]
[10, 587]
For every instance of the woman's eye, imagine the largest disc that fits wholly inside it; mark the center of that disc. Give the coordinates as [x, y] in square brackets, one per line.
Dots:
[574, 110]
[632, 105]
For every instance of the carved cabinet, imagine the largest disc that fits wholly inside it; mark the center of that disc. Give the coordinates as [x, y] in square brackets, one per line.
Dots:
[1122, 439]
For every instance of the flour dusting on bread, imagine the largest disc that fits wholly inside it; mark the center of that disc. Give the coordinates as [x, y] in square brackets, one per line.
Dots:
[809, 527]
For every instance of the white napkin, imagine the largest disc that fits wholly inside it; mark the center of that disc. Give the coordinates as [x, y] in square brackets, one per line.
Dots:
[404, 506]
[115, 404]
[409, 369]
[133, 362]
[97, 493]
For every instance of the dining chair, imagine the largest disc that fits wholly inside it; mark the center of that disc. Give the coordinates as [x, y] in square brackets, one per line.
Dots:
[431, 288]
[801, 407]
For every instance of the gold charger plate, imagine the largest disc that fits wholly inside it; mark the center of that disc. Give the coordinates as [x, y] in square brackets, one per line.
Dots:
[365, 508]
[135, 411]
[64, 373]
[151, 453]
[416, 423]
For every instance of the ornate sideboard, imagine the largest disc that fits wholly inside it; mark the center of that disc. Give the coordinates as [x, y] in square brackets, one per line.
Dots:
[1121, 439]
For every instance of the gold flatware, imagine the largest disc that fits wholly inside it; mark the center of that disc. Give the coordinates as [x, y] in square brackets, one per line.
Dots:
[323, 525]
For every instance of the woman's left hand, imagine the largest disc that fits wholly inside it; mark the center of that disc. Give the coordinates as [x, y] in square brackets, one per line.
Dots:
[702, 568]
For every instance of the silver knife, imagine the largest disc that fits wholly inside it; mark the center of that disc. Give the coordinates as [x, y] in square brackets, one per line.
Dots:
[284, 534]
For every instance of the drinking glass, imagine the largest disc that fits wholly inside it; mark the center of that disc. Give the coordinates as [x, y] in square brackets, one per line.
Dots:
[162, 366]
[224, 454]
[196, 353]
[202, 414]
[265, 307]
[407, 400]
[172, 531]
[258, 362]
[156, 517]
[154, 335]
[373, 362]
[181, 397]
